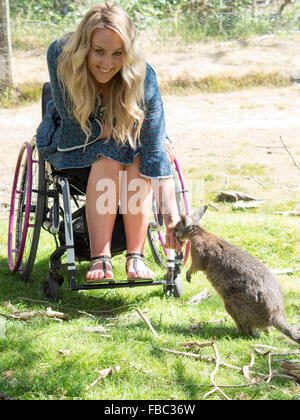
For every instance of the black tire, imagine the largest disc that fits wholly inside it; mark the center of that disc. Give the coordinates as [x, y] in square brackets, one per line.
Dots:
[51, 289]
[178, 288]
[174, 290]
[58, 278]
[37, 213]
[155, 246]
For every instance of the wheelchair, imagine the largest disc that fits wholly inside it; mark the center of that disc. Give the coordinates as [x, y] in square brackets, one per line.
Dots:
[45, 198]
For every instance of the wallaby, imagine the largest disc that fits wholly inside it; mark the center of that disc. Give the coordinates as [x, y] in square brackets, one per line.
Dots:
[251, 294]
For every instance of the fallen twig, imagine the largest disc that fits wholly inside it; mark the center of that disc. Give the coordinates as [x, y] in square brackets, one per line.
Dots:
[199, 297]
[291, 367]
[214, 206]
[27, 315]
[247, 372]
[95, 311]
[103, 374]
[288, 213]
[202, 357]
[294, 161]
[285, 270]
[149, 325]
[193, 344]
[270, 355]
[264, 346]
[212, 379]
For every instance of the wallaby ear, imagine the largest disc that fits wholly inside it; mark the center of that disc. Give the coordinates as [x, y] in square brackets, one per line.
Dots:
[186, 220]
[198, 214]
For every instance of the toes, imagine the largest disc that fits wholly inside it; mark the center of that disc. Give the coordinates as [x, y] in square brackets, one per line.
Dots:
[98, 274]
[131, 273]
[142, 271]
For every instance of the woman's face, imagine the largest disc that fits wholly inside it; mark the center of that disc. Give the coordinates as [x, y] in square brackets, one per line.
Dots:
[106, 55]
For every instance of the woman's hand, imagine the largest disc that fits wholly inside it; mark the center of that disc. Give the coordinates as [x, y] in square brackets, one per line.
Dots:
[170, 151]
[171, 240]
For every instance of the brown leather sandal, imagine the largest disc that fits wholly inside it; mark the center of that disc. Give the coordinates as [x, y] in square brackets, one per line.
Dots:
[135, 256]
[104, 259]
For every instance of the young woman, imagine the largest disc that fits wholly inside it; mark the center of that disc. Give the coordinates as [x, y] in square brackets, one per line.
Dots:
[106, 124]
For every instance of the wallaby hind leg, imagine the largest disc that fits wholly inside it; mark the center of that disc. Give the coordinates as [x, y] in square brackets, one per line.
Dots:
[253, 332]
[242, 329]
[248, 331]
[239, 327]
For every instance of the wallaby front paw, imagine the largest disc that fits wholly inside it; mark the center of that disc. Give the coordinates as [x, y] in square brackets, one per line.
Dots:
[188, 276]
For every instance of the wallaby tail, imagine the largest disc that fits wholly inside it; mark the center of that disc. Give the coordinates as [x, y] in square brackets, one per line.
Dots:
[290, 331]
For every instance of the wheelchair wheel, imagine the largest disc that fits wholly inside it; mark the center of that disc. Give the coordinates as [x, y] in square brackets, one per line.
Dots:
[175, 290]
[156, 229]
[51, 289]
[26, 210]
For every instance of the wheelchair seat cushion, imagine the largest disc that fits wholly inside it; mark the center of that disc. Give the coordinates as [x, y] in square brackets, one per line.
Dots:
[77, 177]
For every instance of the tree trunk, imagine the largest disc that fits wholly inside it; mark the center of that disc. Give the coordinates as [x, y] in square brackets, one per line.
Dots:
[5, 47]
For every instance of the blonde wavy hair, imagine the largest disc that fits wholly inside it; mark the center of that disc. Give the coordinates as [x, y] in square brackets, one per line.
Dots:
[124, 104]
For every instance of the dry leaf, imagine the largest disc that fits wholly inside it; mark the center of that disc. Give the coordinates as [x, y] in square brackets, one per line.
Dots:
[8, 374]
[65, 352]
[98, 329]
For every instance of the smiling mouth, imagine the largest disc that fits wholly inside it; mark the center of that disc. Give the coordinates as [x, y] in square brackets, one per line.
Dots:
[103, 71]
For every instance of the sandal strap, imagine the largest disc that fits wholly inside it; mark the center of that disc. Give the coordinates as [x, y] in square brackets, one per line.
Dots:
[104, 259]
[134, 256]
[131, 255]
[101, 258]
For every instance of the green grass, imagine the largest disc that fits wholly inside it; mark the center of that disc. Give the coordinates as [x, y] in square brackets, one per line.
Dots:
[21, 95]
[187, 85]
[31, 367]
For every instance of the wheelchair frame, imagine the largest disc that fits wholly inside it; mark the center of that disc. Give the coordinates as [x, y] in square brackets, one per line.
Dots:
[31, 196]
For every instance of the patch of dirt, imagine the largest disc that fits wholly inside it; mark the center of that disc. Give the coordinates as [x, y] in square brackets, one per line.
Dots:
[213, 133]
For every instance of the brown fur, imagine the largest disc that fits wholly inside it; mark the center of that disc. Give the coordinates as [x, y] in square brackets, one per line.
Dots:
[251, 294]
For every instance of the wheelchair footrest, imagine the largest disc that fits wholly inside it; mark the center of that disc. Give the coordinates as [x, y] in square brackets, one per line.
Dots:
[117, 284]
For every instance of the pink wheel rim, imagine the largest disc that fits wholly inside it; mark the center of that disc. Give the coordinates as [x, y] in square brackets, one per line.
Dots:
[15, 265]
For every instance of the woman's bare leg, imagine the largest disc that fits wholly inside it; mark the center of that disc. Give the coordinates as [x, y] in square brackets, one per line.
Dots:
[104, 172]
[136, 215]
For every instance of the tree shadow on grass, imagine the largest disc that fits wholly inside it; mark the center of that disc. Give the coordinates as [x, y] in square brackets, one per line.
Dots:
[100, 302]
